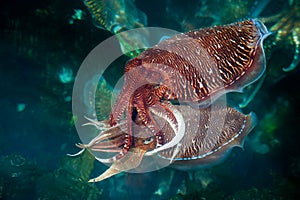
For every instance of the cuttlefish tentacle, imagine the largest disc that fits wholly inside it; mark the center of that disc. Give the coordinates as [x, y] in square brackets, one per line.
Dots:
[125, 104]
[109, 133]
[108, 144]
[176, 121]
[129, 161]
[76, 154]
[109, 140]
[171, 115]
[100, 125]
[237, 52]
[133, 158]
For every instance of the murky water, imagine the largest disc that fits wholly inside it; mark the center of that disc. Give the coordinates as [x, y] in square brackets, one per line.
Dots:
[42, 46]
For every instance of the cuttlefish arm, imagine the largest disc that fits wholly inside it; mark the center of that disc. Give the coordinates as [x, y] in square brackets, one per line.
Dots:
[175, 119]
[106, 140]
[130, 161]
[100, 143]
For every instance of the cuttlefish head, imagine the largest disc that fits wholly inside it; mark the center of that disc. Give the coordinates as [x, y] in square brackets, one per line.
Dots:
[206, 135]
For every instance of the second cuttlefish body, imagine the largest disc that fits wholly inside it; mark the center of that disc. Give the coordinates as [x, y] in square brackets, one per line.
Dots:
[165, 108]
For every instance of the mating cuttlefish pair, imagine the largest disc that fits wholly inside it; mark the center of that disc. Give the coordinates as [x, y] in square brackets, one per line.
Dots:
[167, 107]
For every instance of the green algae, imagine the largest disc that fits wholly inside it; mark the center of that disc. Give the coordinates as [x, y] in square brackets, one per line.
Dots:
[69, 181]
[23, 179]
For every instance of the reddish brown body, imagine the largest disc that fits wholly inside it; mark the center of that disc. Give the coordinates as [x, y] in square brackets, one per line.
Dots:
[195, 67]
[175, 82]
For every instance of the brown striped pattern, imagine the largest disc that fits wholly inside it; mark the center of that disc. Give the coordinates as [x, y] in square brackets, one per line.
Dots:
[206, 137]
[198, 63]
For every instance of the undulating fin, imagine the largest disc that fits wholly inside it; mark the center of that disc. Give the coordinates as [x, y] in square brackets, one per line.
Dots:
[211, 133]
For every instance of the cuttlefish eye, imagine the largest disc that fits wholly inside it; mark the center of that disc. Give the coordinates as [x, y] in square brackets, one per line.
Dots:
[154, 116]
[148, 140]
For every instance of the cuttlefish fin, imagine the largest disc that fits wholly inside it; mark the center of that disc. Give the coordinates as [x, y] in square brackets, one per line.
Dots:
[131, 160]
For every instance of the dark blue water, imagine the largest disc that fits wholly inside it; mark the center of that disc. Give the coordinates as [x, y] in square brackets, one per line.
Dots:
[37, 40]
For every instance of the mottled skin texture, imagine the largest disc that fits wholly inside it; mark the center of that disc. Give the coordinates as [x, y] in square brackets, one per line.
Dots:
[165, 106]
[205, 142]
[221, 137]
[196, 68]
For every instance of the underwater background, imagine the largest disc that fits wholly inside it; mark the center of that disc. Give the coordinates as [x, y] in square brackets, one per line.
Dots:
[43, 44]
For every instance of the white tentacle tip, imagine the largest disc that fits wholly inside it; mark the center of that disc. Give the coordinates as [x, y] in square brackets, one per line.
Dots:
[76, 154]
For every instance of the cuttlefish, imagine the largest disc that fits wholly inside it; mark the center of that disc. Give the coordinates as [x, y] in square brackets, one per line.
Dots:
[167, 109]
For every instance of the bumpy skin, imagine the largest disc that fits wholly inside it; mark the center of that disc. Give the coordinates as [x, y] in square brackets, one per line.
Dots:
[195, 67]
